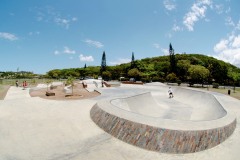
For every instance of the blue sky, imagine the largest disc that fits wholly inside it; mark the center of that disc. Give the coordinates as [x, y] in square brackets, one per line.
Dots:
[54, 34]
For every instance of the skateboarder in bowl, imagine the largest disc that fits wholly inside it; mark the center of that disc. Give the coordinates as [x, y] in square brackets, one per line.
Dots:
[170, 92]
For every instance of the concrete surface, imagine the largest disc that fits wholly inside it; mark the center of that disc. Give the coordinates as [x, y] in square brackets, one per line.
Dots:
[39, 129]
[186, 105]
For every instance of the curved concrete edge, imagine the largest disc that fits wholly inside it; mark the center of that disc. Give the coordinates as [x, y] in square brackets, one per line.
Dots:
[160, 139]
[163, 135]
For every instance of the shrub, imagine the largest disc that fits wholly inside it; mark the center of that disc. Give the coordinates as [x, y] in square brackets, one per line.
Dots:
[179, 82]
[155, 79]
[171, 77]
[215, 85]
[162, 80]
[145, 80]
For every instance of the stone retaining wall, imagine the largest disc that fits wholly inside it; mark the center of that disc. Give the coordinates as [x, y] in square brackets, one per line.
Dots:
[160, 139]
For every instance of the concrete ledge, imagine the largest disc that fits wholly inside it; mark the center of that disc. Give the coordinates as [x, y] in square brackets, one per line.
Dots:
[162, 135]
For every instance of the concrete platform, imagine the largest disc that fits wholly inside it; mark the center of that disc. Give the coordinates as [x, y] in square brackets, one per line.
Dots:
[39, 129]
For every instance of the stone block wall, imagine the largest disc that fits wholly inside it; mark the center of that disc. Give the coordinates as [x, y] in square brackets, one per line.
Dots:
[160, 139]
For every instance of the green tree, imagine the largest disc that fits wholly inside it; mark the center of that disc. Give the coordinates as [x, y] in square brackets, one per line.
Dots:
[235, 76]
[56, 73]
[171, 77]
[133, 61]
[103, 63]
[106, 75]
[198, 74]
[172, 59]
[182, 69]
[134, 73]
[162, 68]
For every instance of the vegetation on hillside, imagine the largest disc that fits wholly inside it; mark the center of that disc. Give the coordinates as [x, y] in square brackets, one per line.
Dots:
[190, 68]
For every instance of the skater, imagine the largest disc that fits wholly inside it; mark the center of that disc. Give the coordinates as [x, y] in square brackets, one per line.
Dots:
[16, 83]
[170, 92]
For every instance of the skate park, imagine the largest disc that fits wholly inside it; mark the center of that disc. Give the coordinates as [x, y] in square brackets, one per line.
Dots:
[119, 124]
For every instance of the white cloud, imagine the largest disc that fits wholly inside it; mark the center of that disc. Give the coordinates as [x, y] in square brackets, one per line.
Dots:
[238, 25]
[96, 44]
[86, 58]
[120, 61]
[169, 5]
[229, 49]
[228, 10]
[198, 11]
[219, 8]
[156, 45]
[165, 51]
[229, 21]
[8, 36]
[68, 51]
[63, 22]
[220, 46]
[56, 52]
[176, 28]
[236, 42]
[50, 15]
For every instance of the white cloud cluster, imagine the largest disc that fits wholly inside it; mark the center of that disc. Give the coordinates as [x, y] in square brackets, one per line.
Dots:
[176, 28]
[65, 22]
[120, 61]
[198, 11]
[229, 49]
[156, 45]
[8, 36]
[86, 58]
[229, 21]
[66, 50]
[169, 5]
[96, 44]
[49, 14]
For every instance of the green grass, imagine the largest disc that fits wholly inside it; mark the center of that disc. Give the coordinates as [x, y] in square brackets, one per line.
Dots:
[235, 94]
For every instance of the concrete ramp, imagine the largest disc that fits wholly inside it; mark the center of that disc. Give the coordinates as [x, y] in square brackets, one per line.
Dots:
[190, 122]
[205, 105]
[186, 105]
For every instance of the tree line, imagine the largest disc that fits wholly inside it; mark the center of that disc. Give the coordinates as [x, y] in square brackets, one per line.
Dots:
[190, 68]
[176, 68]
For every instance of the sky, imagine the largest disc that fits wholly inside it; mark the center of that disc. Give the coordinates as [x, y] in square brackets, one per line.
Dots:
[39, 36]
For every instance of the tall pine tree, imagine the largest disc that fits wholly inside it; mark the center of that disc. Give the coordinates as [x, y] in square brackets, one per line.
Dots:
[172, 59]
[133, 61]
[103, 64]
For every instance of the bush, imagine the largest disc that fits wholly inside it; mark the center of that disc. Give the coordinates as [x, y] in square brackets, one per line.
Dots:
[179, 82]
[171, 77]
[145, 80]
[162, 80]
[155, 79]
[215, 85]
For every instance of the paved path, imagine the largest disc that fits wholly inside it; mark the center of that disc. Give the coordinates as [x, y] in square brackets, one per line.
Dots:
[40, 129]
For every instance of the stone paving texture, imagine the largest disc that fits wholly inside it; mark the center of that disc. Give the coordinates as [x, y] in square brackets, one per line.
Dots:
[39, 129]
